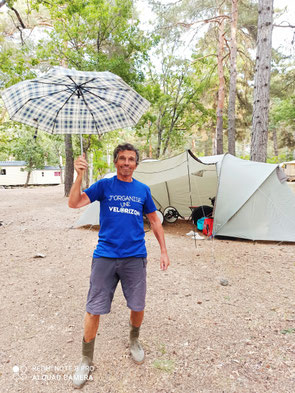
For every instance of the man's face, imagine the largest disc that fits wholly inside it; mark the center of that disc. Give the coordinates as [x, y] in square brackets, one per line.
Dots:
[126, 163]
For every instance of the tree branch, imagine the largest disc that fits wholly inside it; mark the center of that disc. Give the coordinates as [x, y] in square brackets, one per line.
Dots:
[214, 19]
[244, 54]
[225, 56]
[287, 25]
[203, 57]
[21, 35]
[18, 17]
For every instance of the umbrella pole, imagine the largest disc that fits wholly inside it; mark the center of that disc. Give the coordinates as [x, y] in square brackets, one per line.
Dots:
[81, 143]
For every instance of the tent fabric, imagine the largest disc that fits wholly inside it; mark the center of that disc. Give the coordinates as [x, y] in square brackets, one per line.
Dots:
[181, 181]
[91, 213]
[252, 199]
[265, 216]
[90, 216]
[253, 203]
[241, 179]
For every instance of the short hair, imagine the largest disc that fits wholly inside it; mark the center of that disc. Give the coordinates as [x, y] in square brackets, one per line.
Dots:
[125, 146]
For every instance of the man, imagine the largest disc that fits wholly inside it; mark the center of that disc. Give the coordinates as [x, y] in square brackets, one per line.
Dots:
[120, 254]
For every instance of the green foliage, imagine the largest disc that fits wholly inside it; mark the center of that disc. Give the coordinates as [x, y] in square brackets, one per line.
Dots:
[17, 141]
[245, 157]
[29, 149]
[282, 118]
[181, 85]
[96, 35]
[14, 66]
[284, 110]
[280, 158]
[288, 331]
[17, 57]
[165, 365]
[178, 109]
[100, 165]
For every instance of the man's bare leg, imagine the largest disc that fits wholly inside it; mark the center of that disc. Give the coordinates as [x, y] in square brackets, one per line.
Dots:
[91, 323]
[136, 318]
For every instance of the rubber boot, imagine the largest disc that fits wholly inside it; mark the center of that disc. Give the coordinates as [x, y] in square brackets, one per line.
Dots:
[83, 369]
[136, 349]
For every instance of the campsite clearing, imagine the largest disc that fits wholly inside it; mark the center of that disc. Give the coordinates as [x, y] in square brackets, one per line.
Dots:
[200, 336]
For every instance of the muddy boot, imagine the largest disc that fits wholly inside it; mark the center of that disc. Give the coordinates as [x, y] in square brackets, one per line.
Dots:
[136, 349]
[83, 369]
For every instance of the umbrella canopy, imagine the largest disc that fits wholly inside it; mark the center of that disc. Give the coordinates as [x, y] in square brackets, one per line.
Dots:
[65, 101]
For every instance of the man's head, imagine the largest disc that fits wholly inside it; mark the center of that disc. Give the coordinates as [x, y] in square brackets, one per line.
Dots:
[123, 147]
[126, 159]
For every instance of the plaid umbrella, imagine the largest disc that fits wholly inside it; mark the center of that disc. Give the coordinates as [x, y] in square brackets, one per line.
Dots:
[65, 101]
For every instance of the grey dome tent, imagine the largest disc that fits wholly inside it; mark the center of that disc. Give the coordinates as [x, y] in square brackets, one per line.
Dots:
[253, 200]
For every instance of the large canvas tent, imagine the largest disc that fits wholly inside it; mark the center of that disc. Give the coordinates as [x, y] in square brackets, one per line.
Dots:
[252, 201]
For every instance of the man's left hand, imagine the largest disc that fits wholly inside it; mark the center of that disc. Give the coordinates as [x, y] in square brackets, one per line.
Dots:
[164, 261]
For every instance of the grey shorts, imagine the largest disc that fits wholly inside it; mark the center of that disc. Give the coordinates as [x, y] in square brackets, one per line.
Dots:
[104, 278]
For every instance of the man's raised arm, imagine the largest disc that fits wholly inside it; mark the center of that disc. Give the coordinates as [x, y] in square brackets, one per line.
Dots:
[77, 198]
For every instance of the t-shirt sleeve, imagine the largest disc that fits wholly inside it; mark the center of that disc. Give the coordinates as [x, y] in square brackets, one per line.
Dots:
[95, 191]
[149, 205]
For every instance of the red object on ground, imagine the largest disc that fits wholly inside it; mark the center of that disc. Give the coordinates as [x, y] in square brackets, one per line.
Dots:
[208, 226]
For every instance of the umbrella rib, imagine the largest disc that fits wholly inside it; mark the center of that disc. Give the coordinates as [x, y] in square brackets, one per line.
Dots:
[90, 112]
[95, 87]
[77, 86]
[52, 83]
[108, 88]
[82, 85]
[57, 113]
[110, 102]
[37, 98]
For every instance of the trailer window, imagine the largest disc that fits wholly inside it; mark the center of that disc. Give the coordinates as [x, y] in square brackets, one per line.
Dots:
[2, 171]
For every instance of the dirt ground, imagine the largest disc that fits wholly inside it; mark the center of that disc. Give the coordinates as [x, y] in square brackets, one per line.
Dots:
[199, 336]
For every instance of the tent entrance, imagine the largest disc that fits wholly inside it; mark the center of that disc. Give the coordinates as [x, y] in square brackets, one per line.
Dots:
[181, 181]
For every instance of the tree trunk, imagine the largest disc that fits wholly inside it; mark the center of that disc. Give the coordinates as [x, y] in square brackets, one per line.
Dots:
[207, 147]
[259, 135]
[61, 174]
[29, 172]
[69, 170]
[218, 145]
[233, 80]
[28, 178]
[275, 143]
[159, 143]
[168, 136]
[61, 170]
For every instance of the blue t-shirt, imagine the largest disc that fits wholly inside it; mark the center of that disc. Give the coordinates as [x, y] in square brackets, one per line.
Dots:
[122, 205]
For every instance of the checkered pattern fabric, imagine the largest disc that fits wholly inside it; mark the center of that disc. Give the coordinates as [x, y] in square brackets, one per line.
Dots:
[65, 101]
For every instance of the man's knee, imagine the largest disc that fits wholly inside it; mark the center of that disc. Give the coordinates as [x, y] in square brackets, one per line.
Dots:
[92, 317]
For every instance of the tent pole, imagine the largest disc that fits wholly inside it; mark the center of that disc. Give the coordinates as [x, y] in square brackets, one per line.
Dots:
[189, 178]
[190, 189]
[166, 184]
